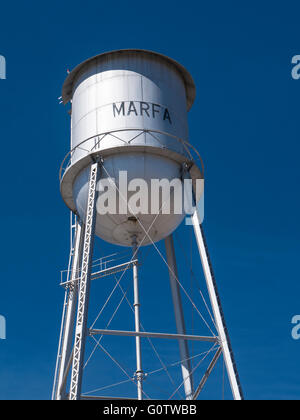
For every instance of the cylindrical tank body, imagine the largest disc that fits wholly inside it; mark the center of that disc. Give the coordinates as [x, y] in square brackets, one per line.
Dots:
[130, 106]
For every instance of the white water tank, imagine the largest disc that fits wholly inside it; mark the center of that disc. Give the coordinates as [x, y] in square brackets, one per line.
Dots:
[130, 107]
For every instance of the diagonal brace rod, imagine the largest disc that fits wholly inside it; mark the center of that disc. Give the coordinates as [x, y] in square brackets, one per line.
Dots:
[207, 373]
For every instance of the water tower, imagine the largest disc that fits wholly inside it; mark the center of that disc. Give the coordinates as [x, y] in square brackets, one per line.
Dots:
[129, 123]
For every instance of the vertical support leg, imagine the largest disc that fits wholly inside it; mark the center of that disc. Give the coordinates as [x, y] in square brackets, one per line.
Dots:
[139, 372]
[179, 318]
[83, 296]
[217, 310]
[70, 315]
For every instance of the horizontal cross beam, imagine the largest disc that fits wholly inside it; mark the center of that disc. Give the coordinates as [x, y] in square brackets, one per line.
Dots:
[153, 335]
[113, 270]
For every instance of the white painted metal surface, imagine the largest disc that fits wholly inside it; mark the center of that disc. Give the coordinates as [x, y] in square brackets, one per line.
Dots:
[84, 287]
[136, 304]
[179, 318]
[129, 89]
[70, 315]
[119, 94]
[217, 311]
[116, 228]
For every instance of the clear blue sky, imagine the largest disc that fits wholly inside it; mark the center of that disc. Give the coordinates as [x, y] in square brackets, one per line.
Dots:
[245, 124]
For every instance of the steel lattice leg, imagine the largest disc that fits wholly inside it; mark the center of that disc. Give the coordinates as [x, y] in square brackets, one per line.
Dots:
[83, 296]
[70, 314]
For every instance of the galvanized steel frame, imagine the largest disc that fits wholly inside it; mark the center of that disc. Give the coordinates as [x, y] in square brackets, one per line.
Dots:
[83, 299]
[84, 287]
[139, 374]
[68, 307]
[217, 309]
[72, 289]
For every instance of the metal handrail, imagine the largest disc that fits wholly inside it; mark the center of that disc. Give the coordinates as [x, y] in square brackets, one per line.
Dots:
[185, 144]
[98, 266]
